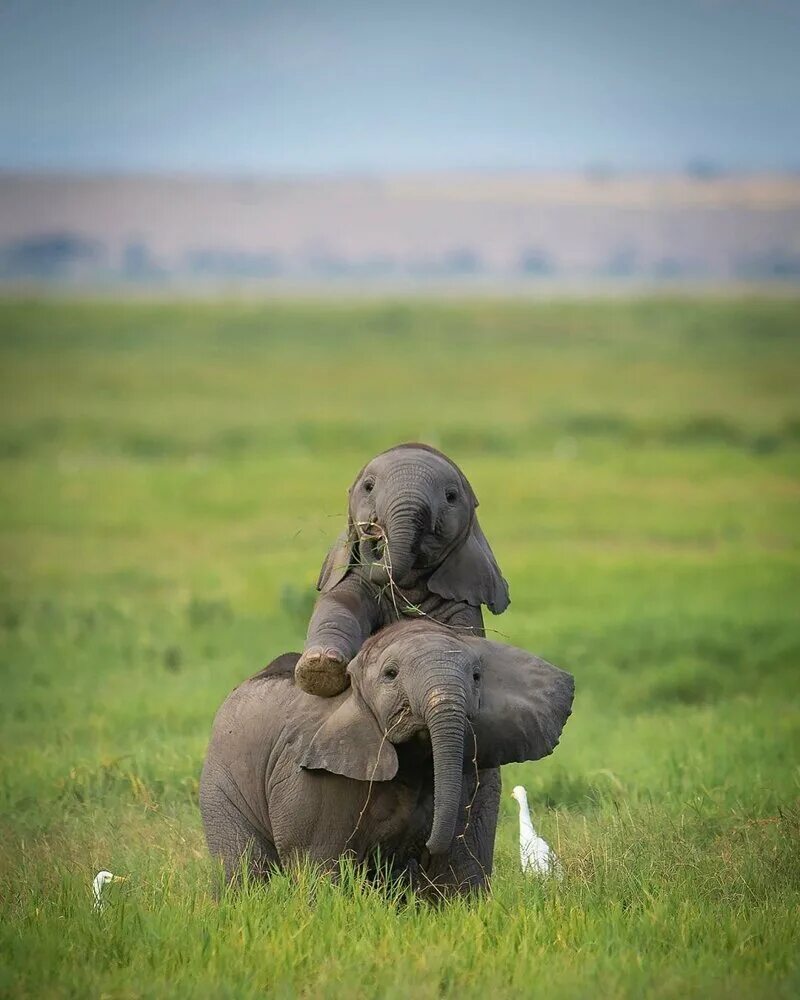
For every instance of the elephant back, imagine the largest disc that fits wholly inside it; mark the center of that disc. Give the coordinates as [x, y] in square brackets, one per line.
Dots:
[281, 668]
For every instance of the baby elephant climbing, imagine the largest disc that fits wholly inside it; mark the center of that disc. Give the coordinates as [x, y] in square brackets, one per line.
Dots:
[412, 546]
[404, 764]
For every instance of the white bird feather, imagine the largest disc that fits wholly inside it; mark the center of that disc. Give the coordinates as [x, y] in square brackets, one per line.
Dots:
[100, 880]
[535, 854]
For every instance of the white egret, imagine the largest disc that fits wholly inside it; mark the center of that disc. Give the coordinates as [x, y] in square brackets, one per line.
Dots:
[100, 880]
[536, 856]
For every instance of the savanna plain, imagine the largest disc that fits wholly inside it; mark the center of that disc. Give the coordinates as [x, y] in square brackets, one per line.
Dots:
[171, 475]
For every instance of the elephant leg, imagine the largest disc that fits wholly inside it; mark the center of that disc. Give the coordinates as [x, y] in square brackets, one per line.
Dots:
[467, 867]
[464, 618]
[315, 817]
[234, 841]
[341, 621]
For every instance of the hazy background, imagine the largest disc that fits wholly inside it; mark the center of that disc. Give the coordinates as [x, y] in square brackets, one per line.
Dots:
[512, 143]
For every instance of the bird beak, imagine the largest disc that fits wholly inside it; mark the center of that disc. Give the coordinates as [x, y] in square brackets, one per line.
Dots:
[120, 878]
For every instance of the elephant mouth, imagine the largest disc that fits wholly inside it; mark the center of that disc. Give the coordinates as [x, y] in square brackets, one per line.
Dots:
[403, 726]
[374, 550]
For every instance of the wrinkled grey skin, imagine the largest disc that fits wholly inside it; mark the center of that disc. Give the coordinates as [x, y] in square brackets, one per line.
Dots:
[413, 545]
[391, 765]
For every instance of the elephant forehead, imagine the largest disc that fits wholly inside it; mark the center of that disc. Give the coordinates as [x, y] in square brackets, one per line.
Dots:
[433, 645]
[413, 460]
[445, 655]
[404, 637]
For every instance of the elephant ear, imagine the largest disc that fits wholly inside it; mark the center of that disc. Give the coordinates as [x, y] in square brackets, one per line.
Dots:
[351, 743]
[338, 561]
[525, 703]
[470, 573]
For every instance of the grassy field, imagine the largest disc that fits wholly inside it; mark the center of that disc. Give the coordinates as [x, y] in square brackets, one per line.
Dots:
[170, 478]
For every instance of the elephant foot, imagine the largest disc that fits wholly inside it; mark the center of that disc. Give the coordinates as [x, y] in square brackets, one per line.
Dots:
[321, 670]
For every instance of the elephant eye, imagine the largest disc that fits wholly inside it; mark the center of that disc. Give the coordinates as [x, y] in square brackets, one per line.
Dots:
[391, 672]
[476, 676]
[451, 494]
[368, 485]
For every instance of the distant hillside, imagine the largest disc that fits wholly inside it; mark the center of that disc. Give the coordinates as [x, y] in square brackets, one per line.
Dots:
[421, 228]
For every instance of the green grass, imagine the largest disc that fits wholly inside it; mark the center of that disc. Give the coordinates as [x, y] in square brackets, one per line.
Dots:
[170, 477]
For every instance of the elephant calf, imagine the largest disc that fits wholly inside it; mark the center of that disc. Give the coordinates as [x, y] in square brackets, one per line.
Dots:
[413, 546]
[403, 764]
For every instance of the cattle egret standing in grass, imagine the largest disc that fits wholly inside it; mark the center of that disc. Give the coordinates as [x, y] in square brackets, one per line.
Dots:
[100, 880]
[535, 854]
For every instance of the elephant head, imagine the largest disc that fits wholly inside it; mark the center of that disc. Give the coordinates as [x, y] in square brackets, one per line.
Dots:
[411, 516]
[416, 677]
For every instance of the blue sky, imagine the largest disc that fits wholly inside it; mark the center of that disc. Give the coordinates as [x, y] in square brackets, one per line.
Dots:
[313, 87]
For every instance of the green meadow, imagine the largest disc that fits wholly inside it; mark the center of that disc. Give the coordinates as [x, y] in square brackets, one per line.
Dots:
[171, 475]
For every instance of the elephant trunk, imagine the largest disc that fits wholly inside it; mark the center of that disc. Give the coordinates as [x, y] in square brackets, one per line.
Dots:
[404, 521]
[446, 719]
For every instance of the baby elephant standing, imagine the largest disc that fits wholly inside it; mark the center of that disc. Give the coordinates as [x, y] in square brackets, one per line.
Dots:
[389, 767]
[413, 546]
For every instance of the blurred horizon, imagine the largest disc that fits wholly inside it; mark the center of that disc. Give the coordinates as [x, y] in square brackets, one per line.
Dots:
[698, 168]
[331, 144]
[503, 232]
